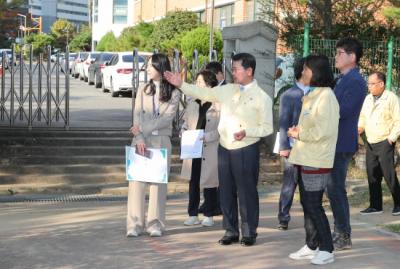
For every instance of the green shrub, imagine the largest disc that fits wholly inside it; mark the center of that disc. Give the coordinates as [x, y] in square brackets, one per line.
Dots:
[198, 38]
[175, 23]
[107, 43]
[82, 41]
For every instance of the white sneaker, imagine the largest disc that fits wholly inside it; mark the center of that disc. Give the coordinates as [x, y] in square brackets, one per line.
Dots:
[208, 222]
[155, 233]
[132, 233]
[323, 257]
[193, 220]
[305, 253]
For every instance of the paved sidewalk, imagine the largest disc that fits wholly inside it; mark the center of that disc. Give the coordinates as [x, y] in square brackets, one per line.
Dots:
[92, 235]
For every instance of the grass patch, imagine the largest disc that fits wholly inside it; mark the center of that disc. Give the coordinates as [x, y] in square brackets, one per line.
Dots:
[393, 228]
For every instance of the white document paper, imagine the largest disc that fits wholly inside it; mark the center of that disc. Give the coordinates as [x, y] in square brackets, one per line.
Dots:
[192, 144]
[276, 146]
[153, 168]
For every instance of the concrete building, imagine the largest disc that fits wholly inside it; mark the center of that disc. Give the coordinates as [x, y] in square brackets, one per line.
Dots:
[75, 11]
[110, 15]
[226, 12]
[115, 15]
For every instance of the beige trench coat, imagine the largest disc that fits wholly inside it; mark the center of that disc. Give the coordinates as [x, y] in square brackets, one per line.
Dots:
[209, 165]
[156, 132]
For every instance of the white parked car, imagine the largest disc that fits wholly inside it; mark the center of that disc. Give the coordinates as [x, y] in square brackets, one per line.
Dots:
[117, 75]
[77, 65]
[84, 69]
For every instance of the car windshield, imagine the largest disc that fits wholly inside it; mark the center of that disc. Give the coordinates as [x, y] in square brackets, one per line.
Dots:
[129, 58]
[94, 55]
[84, 56]
[106, 57]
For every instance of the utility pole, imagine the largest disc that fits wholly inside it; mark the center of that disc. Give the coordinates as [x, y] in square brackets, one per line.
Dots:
[211, 31]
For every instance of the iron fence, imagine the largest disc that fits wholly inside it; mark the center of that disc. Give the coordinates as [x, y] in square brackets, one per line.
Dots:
[34, 90]
[376, 55]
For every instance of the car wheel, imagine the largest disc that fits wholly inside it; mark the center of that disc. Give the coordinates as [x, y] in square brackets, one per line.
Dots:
[113, 93]
[90, 81]
[96, 84]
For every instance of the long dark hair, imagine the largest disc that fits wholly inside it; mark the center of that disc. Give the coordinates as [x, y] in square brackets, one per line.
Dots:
[322, 75]
[160, 62]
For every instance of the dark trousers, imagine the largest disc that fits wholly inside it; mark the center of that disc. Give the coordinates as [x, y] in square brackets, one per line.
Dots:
[238, 177]
[316, 224]
[287, 191]
[210, 194]
[337, 192]
[380, 163]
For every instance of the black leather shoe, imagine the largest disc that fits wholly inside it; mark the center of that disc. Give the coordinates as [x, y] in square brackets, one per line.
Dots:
[283, 226]
[247, 241]
[227, 240]
[217, 212]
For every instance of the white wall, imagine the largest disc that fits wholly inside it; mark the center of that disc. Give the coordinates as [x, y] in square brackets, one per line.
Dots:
[105, 20]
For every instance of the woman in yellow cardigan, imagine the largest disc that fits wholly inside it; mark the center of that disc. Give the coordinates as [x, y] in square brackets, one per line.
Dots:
[313, 154]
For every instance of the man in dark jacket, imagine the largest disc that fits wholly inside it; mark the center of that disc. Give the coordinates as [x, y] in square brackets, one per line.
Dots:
[289, 113]
[350, 91]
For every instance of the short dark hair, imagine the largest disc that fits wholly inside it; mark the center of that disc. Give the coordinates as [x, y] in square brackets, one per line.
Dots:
[298, 68]
[247, 60]
[322, 75]
[381, 76]
[351, 45]
[214, 67]
[209, 77]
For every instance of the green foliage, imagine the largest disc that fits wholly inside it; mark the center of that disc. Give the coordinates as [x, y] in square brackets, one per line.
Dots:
[329, 19]
[144, 29]
[39, 42]
[63, 31]
[8, 24]
[134, 37]
[108, 43]
[198, 38]
[392, 15]
[173, 24]
[82, 41]
[129, 39]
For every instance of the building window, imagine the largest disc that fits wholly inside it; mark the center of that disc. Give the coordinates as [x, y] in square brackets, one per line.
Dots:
[224, 16]
[202, 16]
[120, 11]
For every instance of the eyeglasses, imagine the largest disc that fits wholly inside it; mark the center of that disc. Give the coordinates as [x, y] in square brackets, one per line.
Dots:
[374, 83]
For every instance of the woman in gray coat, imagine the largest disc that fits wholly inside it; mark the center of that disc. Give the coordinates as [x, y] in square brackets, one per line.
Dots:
[203, 172]
[155, 108]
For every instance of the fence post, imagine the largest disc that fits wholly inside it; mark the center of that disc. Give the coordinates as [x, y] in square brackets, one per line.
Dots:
[135, 80]
[306, 39]
[389, 64]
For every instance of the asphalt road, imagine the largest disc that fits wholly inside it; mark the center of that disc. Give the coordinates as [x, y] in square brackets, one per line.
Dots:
[89, 235]
[88, 107]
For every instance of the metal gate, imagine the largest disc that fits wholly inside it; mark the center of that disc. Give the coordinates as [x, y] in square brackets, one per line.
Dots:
[34, 89]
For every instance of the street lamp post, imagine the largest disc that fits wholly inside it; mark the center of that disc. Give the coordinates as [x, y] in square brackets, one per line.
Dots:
[24, 29]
